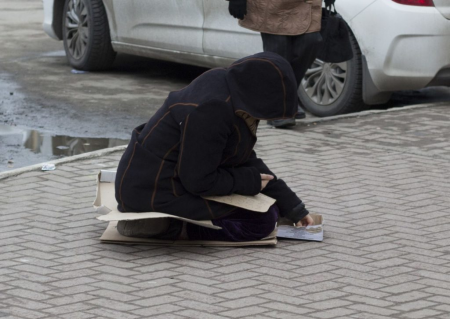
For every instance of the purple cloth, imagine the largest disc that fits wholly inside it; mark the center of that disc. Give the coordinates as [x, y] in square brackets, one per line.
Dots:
[242, 225]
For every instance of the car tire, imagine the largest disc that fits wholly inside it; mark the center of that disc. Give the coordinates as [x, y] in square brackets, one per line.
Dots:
[86, 36]
[333, 88]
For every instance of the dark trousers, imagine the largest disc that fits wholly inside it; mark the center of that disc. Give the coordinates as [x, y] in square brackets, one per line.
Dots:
[299, 50]
[242, 225]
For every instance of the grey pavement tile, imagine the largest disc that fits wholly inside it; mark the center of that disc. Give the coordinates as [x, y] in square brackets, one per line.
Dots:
[369, 301]
[199, 297]
[425, 313]
[202, 307]
[333, 313]
[375, 310]
[157, 310]
[25, 303]
[195, 314]
[415, 305]
[244, 312]
[113, 278]
[111, 295]
[28, 294]
[19, 312]
[240, 293]
[237, 285]
[112, 314]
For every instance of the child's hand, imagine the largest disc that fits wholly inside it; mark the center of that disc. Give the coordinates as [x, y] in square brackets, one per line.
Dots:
[306, 221]
[265, 179]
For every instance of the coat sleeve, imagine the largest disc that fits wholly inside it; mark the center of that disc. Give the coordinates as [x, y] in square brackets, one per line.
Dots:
[204, 135]
[288, 202]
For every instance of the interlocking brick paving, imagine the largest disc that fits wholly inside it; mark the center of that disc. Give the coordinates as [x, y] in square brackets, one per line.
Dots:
[381, 182]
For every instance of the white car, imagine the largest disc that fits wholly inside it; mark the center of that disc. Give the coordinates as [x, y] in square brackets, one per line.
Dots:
[398, 44]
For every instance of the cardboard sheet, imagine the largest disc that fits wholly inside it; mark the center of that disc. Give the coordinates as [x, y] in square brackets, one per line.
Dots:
[112, 236]
[310, 233]
[117, 216]
[106, 204]
[258, 203]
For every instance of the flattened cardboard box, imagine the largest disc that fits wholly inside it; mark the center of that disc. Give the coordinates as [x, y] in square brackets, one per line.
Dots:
[106, 204]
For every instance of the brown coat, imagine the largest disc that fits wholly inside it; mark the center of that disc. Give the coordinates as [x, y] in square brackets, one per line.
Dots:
[283, 17]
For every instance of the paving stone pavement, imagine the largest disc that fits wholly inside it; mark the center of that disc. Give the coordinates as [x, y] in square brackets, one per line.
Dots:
[381, 182]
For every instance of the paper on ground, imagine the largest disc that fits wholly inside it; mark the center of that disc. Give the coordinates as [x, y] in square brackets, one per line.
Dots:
[311, 233]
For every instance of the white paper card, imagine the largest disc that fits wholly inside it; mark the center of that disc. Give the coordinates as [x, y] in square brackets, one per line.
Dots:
[311, 233]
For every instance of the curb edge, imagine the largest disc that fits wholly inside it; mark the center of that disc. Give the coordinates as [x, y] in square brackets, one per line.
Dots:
[26, 169]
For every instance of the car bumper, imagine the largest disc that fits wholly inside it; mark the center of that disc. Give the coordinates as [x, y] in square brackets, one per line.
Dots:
[406, 47]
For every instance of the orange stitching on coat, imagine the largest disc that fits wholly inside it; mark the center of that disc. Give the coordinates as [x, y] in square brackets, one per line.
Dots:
[159, 173]
[121, 181]
[173, 183]
[229, 212]
[258, 118]
[167, 113]
[279, 71]
[156, 184]
[209, 208]
[182, 145]
[192, 104]
[151, 130]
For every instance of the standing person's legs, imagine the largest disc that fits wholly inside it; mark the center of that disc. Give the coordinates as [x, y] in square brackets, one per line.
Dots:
[305, 49]
[282, 45]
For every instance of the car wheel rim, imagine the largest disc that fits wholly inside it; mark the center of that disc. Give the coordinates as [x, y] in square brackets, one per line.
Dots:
[77, 28]
[324, 82]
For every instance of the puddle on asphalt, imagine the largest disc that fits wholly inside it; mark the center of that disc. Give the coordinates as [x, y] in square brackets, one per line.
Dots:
[52, 145]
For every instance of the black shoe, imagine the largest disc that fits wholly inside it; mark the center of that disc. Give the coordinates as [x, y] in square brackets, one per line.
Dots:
[300, 113]
[282, 123]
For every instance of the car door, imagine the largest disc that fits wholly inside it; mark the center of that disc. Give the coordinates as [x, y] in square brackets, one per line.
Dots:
[223, 37]
[174, 25]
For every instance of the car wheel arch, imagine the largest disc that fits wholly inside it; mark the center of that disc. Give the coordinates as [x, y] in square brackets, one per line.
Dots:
[371, 95]
[57, 21]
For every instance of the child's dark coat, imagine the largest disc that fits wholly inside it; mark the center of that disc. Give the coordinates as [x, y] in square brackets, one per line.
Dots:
[197, 145]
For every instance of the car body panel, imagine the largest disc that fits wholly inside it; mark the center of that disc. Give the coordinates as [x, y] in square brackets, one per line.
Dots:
[222, 36]
[140, 22]
[402, 55]
[349, 9]
[444, 7]
[203, 60]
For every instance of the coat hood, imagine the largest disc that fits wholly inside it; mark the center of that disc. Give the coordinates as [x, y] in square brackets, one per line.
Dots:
[263, 86]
